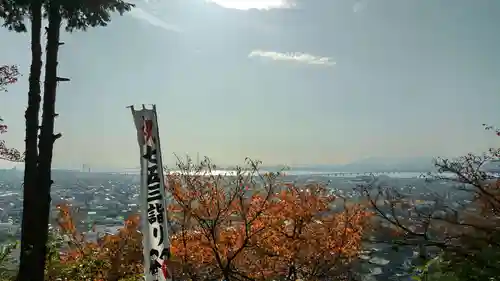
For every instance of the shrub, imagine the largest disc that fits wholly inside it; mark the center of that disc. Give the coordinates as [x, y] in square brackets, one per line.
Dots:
[247, 226]
[462, 225]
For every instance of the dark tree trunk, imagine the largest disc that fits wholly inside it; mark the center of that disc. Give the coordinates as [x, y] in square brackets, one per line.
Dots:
[29, 258]
[47, 137]
[226, 274]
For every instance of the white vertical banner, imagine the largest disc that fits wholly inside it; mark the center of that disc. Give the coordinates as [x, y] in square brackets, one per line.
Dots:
[156, 240]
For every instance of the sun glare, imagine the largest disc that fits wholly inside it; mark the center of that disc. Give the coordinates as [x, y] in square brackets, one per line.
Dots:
[252, 4]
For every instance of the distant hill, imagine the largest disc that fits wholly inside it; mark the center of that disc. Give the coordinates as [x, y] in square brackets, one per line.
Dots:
[376, 164]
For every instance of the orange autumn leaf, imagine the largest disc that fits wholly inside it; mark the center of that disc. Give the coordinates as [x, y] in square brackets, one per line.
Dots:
[235, 228]
[260, 233]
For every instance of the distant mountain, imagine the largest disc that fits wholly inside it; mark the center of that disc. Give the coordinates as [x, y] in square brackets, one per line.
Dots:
[492, 166]
[376, 164]
[7, 165]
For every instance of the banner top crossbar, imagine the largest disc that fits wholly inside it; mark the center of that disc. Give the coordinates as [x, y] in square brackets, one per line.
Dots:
[143, 106]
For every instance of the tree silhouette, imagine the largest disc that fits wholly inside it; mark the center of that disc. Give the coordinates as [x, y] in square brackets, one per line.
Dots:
[253, 226]
[8, 75]
[15, 13]
[225, 227]
[462, 224]
[78, 15]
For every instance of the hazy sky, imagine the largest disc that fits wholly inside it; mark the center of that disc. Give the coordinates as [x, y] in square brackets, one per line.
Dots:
[311, 81]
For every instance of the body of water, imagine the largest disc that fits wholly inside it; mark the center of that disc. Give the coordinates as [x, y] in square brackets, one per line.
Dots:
[305, 173]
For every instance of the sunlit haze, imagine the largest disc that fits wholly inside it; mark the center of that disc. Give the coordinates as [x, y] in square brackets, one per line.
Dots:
[252, 4]
[302, 82]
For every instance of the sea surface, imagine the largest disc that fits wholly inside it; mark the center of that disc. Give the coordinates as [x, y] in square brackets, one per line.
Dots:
[333, 174]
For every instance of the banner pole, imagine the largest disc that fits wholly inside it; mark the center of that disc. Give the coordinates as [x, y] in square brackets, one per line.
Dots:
[153, 203]
[165, 201]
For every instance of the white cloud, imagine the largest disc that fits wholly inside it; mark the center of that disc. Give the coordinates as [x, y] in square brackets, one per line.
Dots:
[153, 20]
[293, 57]
[253, 4]
[359, 6]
